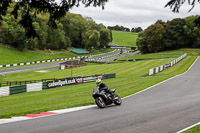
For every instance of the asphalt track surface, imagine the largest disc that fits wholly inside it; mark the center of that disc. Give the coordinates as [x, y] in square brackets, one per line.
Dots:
[26, 68]
[165, 108]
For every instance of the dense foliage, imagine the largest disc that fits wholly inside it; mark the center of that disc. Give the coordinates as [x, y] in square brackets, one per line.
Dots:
[32, 8]
[72, 31]
[175, 5]
[174, 34]
[136, 29]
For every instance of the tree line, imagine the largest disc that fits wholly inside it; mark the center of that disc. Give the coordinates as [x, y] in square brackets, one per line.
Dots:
[32, 8]
[174, 34]
[72, 31]
[122, 28]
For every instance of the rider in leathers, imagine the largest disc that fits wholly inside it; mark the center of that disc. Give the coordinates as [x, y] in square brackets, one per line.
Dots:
[103, 86]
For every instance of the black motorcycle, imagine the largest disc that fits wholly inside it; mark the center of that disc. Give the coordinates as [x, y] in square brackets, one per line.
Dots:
[102, 98]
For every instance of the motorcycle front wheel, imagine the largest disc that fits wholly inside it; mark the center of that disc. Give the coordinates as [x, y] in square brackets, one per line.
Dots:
[100, 102]
[117, 100]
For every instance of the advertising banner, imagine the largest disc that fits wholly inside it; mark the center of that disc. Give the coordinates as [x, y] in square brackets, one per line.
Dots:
[71, 81]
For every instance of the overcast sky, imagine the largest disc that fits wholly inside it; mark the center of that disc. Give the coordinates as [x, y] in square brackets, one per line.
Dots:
[134, 13]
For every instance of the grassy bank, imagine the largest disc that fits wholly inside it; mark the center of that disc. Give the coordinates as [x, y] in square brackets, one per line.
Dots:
[11, 56]
[171, 53]
[131, 78]
[123, 38]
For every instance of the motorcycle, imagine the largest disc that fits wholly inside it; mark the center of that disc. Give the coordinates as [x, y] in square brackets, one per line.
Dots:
[102, 98]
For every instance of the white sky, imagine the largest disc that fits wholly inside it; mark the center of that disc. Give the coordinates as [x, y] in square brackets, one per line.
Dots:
[134, 13]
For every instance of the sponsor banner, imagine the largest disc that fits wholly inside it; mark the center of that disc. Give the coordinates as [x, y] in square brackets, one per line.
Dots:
[89, 79]
[71, 81]
[61, 82]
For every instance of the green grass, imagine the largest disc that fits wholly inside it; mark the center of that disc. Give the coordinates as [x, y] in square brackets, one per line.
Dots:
[195, 129]
[12, 56]
[131, 78]
[123, 38]
[171, 53]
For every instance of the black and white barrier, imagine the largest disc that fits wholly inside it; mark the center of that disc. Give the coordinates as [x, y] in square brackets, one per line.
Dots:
[11, 90]
[163, 67]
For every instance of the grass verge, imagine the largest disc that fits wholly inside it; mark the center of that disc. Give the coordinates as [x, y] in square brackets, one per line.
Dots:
[12, 56]
[165, 54]
[123, 38]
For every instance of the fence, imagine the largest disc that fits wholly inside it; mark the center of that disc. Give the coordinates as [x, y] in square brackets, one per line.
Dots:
[14, 83]
[53, 60]
[11, 90]
[163, 67]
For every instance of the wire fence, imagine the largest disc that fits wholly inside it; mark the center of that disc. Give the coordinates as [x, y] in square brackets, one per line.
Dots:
[13, 83]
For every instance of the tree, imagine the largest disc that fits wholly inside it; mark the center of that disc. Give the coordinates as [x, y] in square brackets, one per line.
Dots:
[57, 38]
[133, 30]
[77, 28]
[192, 31]
[93, 39]
[142, 43]
[104, 37]
[31, 8]
[176, 4]
[138, 29]
[152, 38]
[175, 36]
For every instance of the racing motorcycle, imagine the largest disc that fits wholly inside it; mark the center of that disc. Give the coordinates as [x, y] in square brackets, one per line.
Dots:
[102, 98]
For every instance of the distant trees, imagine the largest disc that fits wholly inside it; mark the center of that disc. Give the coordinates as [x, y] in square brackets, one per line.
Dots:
[119, 28]
[72, 31]
[137, 29]
[174, 34]
[122, 28]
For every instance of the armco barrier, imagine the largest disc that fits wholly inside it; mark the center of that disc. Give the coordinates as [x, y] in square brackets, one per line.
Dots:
[17, 89]
[163, 67]
[52, 60]
[44, 86]
[6, 91]
[108, 76]
[34, 87]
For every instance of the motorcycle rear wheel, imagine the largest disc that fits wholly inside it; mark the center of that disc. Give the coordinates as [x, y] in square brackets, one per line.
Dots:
[100, 102]
[117, 100]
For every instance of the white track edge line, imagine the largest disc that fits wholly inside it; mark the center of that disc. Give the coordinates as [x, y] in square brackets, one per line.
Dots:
[188, 127]
[198, 122]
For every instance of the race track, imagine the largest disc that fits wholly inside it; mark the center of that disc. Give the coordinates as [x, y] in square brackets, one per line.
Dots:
[27, 68]
[165, 108]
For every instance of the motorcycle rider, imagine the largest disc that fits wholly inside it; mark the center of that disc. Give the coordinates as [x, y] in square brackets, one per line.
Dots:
[103, 86]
